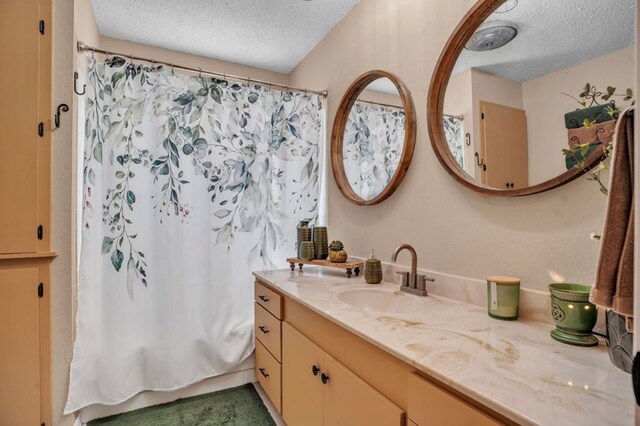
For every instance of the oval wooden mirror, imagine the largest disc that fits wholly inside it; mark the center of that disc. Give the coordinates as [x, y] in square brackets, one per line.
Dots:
[526, 93]
[373, 138]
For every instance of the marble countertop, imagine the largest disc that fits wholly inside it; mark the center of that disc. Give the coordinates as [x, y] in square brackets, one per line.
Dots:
[512, 367]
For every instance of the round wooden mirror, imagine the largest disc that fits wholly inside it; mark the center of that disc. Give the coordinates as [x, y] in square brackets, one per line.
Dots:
[526, 94]
[373, 138]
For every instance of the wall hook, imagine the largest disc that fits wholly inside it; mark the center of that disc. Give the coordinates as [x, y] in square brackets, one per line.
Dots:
[61, 108]
[480, 163]
[467, 139]
[75, 85]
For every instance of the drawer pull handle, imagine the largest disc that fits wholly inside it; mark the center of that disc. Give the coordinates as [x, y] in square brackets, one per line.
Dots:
[262, 371]
[315, 370]
[263, 329]
[263, 298]
[324, 378]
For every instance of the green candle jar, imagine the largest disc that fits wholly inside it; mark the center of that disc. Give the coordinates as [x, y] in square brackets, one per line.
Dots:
[503, 297]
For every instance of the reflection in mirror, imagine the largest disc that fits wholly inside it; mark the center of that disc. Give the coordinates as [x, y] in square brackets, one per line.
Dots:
[517, 94]
[374, 138]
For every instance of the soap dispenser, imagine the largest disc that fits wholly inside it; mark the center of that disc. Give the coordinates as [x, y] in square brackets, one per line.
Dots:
[373, 269]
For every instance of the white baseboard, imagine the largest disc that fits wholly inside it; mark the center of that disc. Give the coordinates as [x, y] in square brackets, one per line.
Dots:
[245, 374]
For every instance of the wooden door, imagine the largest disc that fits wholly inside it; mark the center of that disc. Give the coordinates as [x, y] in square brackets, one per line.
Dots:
[302, 398]
[504, 148]
[349, 401]
[19, 117]
[19, 347]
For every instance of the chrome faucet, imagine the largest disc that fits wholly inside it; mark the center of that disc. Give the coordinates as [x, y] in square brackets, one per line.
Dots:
[411, 281]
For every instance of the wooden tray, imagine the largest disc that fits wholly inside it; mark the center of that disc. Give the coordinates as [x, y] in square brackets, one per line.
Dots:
[350, 265]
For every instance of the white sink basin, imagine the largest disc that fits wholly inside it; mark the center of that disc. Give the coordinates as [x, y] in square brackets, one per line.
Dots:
[381, 301]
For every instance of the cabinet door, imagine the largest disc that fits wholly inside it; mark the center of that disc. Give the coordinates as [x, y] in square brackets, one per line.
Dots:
[349, 401]
[19, 118]
[429, 404]
[19, 347]
[301, 389]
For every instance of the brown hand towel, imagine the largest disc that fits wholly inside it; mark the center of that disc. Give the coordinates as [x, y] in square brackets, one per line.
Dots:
[596, 133]
[614, 281]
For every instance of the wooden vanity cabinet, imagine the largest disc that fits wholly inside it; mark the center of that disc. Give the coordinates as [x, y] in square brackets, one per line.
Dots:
[318, 390]
[268, 326]
[363, 385]
[429, 404]
[302, 396]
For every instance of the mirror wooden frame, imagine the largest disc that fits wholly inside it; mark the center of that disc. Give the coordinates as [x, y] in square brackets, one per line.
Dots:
[435, 110]
[337, 135]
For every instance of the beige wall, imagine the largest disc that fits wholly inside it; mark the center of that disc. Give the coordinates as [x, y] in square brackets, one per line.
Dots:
[62, 209]
[454, 230]
[459, 101]
[380, 97]
[546, 106]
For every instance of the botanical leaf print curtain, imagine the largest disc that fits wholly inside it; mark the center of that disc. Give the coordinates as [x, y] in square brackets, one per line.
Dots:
[454, 132]
[372, 146]
[189, 184]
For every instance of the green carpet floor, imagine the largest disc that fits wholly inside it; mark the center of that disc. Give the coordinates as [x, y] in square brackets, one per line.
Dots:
[239, 406]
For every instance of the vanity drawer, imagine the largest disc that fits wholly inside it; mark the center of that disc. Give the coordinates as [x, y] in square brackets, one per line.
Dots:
[269, 373]
[429, 404]
[269, 299]
[269, 331]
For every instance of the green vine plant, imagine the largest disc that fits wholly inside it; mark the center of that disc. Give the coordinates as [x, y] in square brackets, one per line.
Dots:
[589, 97]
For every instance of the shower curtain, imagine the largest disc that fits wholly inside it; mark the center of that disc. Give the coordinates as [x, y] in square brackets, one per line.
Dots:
[454, 131]
[373, 143]
[190, 183]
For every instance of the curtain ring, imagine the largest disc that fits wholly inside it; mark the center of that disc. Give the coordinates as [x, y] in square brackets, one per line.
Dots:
[131, 58]
[93, 53]
[200, 73]
[172, 69]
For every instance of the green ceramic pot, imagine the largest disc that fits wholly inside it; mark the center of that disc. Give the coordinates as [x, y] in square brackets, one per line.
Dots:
[307, 251]
[573, 314]
[304, 234]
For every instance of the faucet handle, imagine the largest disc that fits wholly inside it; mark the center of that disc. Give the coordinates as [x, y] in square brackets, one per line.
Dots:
[405, 278]
[421, 282]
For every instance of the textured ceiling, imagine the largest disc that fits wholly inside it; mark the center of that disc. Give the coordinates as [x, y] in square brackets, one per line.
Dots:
[555, 34]
[269, 34]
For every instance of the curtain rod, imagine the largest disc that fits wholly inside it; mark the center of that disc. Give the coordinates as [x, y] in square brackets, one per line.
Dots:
[457, 117]
[83, 48]
[379, 103]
